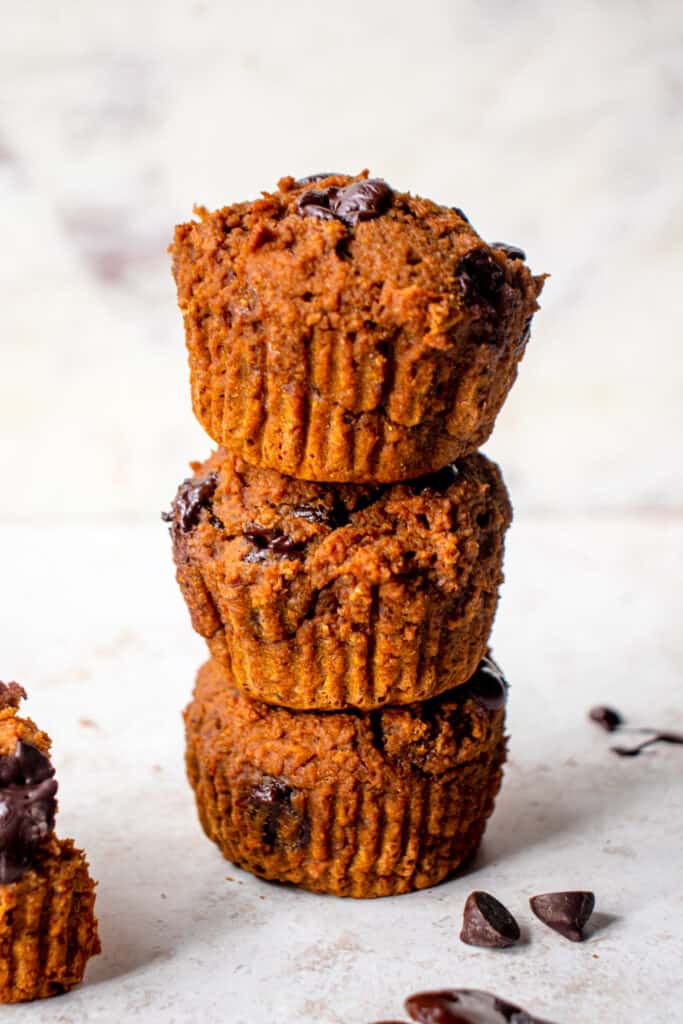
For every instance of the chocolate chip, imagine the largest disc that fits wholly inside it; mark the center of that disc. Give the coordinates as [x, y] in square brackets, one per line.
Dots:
[564, 912]
[463, 216]
[466, 1006]
[488, 685]
[274, 797]
[193, 495]
[486, 922]
[512, 252]
[316, 203]
[606, 717]
[363, 200]
[335, 517]
[271, 539]
[27, 808]
[11, 695]
[359, 201]
[480, 276]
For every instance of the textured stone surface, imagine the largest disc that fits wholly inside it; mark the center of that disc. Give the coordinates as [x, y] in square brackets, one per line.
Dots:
[591, 615]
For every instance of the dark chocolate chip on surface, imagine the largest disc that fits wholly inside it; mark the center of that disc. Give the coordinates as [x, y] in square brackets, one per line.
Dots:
[466, 1006]
[606, 717]
[513, 252]
[193, 495]
[488, 685]
[564, 912]
[27, 808]
[479, 275]
[461, 214]
[486, 922]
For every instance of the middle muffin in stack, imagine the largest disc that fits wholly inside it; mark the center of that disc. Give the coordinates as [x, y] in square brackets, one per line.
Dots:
[348, 733]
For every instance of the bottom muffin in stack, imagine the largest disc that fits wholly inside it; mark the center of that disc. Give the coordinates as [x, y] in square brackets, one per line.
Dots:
[349, 803]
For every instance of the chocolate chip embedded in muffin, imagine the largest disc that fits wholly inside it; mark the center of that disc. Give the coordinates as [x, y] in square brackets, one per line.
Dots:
[330, 595]
[347, 803]
[341, 330]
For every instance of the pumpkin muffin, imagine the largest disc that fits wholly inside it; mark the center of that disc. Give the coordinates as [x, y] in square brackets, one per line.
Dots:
[339, 330]
[347, 803]
[325, 596]
[48, 929]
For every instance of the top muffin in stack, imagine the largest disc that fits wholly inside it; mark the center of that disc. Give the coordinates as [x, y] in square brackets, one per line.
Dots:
[350, 347]
[341, 331]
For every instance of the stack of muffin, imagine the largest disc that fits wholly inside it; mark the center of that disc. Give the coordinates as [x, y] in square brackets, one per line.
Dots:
[350, 347]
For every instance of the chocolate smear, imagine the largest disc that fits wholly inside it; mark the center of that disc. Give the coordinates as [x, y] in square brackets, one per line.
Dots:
[192, 496]
[659, 737]
[486, 922]
[607, 718]
[466, 1006]
[564, 912]
[488, 685]
[27, 808]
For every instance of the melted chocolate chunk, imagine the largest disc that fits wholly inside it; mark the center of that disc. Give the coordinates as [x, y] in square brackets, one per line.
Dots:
[512, 252]
[659, 737]
[316, 203]
[486, 922]
[361, 200]
[463, 216]
[27, 808]
[11, 695]
[488, 685]
[606, 717]
[564, 912]
[479, 275]
[193, 495]
[466, 1006]
[266, 538]
[439, 481]
[333, 517]
[275, 797]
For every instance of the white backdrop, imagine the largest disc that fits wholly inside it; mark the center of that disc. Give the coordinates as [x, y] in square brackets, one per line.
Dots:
[557, 127]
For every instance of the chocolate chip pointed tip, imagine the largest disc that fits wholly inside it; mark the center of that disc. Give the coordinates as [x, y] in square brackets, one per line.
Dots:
[565, 912]
[486, 922]
[11, 695]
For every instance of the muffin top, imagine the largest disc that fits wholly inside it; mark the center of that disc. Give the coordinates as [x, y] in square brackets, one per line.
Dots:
[258, 522]
[335, 250]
